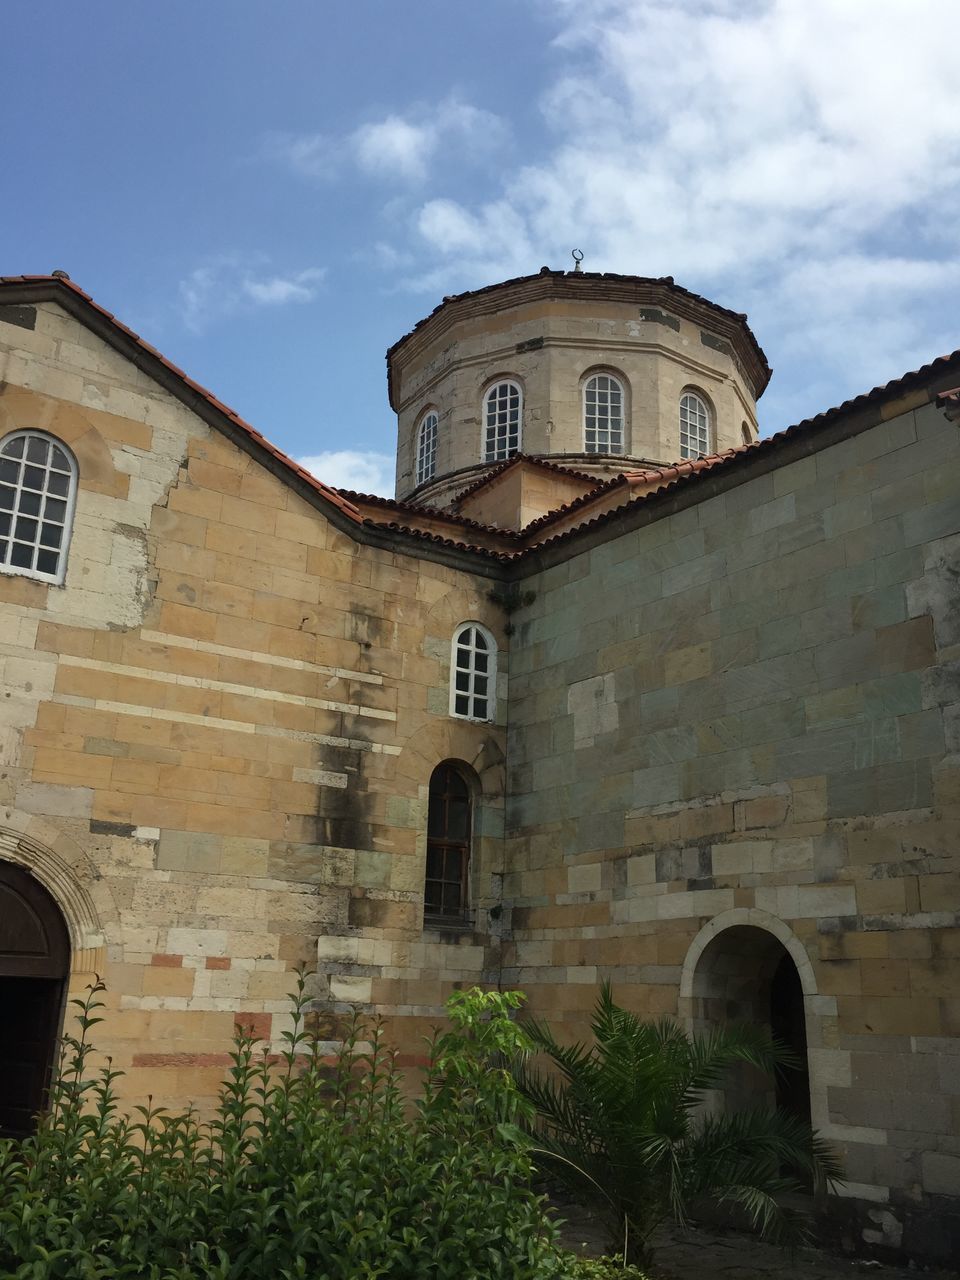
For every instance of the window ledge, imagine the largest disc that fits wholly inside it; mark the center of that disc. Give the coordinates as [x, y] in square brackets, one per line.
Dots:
[449, 928]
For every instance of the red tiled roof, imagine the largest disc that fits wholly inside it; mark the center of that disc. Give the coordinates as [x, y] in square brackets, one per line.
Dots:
[326, 491]
[949, 401]
[515, 545]
[544, 463]
[417, 509]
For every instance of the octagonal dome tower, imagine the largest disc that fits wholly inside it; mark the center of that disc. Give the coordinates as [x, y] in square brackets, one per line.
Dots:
[597, 372]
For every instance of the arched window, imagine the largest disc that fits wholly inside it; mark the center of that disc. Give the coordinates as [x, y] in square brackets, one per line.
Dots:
[473, 673]
[427, 447]
[603, 414]
[745, 433]
[502, 414]
[38, 482]
[449, 822]
[694, 426]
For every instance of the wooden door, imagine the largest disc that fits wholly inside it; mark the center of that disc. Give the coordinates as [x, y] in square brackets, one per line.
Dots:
[34, 961]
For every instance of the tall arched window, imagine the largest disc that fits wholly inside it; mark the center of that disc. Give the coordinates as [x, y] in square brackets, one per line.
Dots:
[603, 414]
[449, 822]
[473, 673]
[38, 482]
[502, 414]
[427, 447]
[694, 426]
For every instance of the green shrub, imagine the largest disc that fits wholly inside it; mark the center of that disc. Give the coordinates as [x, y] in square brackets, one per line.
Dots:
[603, 1269]
[307, 1170]
[622, 1123]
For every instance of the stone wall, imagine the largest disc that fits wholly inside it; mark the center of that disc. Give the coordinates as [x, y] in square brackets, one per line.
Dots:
[549, 347]
[217, 736]
[743, 715]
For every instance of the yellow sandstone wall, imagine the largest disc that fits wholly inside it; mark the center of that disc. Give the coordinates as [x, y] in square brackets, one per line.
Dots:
[217, 735]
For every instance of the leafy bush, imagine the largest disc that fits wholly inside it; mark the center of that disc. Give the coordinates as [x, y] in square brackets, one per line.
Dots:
[623, 1124]
[603, 1269]
[308, 1169]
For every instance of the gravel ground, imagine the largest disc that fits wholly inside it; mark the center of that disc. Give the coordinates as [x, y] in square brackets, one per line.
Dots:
[702, 1254]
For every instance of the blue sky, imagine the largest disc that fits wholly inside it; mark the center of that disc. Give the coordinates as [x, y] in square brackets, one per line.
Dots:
[273, 193]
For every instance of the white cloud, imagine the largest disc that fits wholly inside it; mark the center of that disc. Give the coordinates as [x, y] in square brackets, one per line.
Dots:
[311, 155]
[395, 145]
[227, 284]
[801, 157]
[300, 287]
[398, 146]
[363, 471]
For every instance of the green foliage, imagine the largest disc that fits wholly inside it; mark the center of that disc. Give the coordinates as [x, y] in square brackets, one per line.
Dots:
[623, 1122]
[603, 1269]
[310, 1168]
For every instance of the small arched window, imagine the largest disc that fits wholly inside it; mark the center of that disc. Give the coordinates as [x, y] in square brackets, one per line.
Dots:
[38, 483]
[694, 426]
[603, 414]
[502, 415]
[745, 433]
[449, 822]
[473, 673]
[427, 447]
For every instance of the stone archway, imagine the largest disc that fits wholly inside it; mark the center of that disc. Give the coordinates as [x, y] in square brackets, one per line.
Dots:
[34, 964]
[746, 966]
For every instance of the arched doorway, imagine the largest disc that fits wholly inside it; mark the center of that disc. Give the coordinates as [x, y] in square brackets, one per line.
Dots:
[746, 974]
[34, 962]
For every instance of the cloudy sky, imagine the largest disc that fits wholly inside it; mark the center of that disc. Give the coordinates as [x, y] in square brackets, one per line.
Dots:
[273, 193]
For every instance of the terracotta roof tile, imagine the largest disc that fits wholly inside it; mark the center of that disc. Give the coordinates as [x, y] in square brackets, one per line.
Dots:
[544, 463]
[324, 490]
[516, 545]
[417, 509]
[949, 401]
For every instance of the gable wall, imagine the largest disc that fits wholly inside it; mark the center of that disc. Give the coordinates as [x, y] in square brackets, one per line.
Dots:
[747, 713]
[218, 734]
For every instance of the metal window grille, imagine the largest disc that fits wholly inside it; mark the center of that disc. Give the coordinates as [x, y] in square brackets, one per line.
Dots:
[37, 491]
[501, 419]
[603, 415]
[427, 448]
[694, 426]
[448, 845]
[472, 679]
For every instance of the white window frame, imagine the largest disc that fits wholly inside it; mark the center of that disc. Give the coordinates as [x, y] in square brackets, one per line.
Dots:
[618, 387]
[427, 447]
[69, 499]
[463, 663]
[496, 454]
[696, 423]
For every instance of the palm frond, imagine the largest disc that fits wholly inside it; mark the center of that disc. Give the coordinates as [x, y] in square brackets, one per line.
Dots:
[622, 1119]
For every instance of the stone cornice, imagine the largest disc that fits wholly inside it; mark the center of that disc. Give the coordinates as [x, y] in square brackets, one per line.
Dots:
[587, 288]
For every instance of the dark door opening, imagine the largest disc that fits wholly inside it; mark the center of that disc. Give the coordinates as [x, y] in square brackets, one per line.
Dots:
[34, 961]
[745, 974]
[788, 1024]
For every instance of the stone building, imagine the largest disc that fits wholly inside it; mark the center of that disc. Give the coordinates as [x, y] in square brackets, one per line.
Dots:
[613, 690]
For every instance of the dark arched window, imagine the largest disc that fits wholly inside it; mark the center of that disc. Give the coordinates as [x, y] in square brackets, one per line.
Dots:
[449, 820]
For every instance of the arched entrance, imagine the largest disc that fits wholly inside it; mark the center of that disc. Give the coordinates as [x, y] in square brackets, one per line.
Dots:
[745, 973]
[34, 962]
